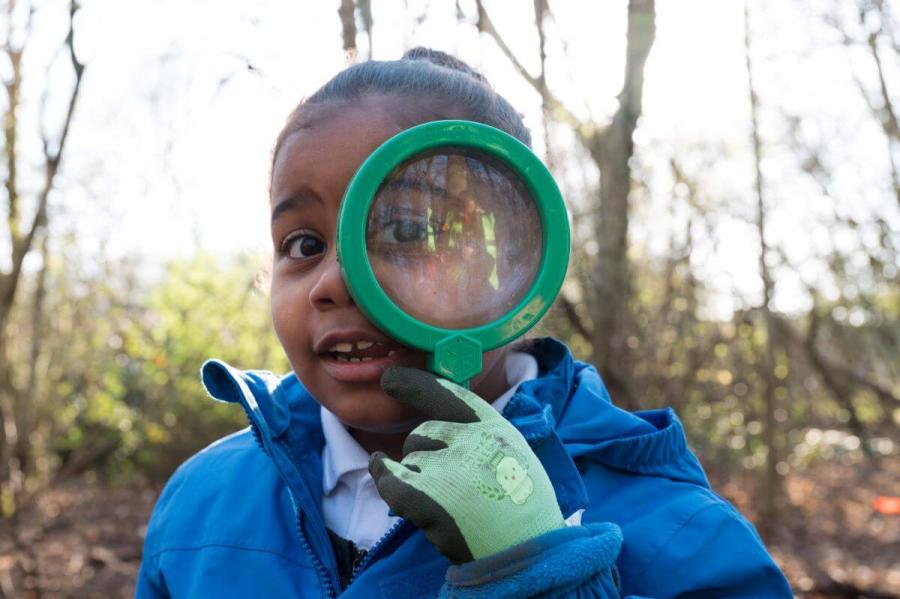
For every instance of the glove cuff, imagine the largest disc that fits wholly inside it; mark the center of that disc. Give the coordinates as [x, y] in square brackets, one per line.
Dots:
[559, 559]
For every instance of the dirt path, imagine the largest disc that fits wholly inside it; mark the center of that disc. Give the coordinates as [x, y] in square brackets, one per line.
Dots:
[80, 540]
[75, 541]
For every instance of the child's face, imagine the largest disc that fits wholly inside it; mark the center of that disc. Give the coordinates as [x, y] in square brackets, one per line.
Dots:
[314, 316]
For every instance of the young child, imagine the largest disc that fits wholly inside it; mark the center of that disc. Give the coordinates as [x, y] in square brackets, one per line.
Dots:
[328, 493]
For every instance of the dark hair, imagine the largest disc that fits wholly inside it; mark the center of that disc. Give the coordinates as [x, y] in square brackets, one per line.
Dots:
[450, 85]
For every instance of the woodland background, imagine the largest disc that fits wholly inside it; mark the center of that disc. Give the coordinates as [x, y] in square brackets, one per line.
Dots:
[744, 274]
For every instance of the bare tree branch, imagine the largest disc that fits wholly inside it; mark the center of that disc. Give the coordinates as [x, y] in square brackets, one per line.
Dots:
[52, 163]
[11, 400]
[560, 111]
[567, 63]
[14, 53]
[573, 316]
[887, 116]
[540, 14]
[347, 13]
[365, 12]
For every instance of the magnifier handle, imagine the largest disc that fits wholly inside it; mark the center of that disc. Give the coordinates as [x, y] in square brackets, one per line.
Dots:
[456, 358]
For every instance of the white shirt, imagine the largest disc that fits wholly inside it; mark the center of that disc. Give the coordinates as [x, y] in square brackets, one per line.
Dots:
[351, 504]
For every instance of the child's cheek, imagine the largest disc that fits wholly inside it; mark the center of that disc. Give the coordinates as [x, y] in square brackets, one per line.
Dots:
[289, 317]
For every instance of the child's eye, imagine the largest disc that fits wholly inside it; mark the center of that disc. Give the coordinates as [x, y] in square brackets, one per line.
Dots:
[302, 246]
[403, 231]
[401, 234]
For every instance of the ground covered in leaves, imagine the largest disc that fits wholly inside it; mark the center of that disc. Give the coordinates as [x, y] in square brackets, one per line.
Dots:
[82, 540]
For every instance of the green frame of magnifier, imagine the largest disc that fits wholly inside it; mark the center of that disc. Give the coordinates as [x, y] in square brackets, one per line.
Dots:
[453, 353]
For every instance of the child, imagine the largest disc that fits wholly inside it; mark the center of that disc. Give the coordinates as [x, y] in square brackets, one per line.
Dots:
[328, 493]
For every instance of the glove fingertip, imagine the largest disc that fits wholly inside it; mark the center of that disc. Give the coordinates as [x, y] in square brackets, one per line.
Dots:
[428, 394]
[396, 380]
[377, 467]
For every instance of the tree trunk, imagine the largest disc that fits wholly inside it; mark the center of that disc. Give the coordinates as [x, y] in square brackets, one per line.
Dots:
[772, 486]
[347, 13]
[612, 150]
[13, 439]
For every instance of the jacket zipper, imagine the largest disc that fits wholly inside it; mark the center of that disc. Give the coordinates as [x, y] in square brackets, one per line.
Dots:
[324, 578]
[317, 563]
[358, 557]
[257, 436]
[361, 565]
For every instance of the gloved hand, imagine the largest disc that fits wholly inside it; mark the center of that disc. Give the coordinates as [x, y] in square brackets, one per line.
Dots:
[468, 478]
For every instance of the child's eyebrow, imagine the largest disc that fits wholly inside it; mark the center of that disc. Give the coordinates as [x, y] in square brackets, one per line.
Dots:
[293, 202]
[406, 184]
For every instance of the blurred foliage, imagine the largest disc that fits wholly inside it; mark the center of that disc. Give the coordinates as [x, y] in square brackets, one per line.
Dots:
[709, 371]
[139, 407]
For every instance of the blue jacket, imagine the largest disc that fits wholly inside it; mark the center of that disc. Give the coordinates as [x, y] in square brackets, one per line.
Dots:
[243, 517]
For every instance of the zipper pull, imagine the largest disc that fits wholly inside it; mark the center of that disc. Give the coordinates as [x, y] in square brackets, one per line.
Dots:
[357, 560]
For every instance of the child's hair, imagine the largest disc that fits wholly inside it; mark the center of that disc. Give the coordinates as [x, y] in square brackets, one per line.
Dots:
[450, 86]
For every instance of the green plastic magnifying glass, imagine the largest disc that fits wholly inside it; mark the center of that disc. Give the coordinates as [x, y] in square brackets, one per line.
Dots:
[453, 239]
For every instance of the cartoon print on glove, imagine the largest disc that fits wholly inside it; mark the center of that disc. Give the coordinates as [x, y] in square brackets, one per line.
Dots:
[514, 480]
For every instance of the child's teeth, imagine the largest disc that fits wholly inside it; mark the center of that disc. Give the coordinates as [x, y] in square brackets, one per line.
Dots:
[354, 359]
[365, 359]
[343, 347]
[392, 352]
[364, 344]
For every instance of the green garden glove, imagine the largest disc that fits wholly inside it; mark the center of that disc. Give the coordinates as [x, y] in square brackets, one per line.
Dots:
[468, 478]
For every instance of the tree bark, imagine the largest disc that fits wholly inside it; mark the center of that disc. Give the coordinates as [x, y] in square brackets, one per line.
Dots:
[612, 150]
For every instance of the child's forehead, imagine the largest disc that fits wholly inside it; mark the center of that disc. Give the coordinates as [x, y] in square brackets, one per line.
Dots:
[326, 152]
[355, 118]
[325, 144]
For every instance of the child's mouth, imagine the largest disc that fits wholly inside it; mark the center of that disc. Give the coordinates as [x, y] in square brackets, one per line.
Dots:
[361, 351]
[361, 361]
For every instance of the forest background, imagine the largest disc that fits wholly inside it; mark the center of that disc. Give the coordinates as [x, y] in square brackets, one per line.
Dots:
[732, 169]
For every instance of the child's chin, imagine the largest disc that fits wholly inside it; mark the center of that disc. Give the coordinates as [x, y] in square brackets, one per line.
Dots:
[391, 428]
[374, 411]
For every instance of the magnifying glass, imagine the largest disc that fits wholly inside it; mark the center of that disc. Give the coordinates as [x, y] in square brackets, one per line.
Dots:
[453, 239]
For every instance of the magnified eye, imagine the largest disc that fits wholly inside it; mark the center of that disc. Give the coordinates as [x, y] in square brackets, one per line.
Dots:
[401, 234]
[406, 231]
[303, 246]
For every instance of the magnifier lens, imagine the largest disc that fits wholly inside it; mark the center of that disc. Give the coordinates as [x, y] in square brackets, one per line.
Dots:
[454, 238]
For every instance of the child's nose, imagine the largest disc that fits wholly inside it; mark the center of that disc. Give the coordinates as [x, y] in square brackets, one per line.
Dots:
[330, 291]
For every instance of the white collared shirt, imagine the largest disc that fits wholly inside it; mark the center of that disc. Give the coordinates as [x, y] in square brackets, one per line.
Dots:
[351, 504]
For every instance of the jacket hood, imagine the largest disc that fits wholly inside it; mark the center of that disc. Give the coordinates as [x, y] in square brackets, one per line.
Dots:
[650, 442]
